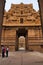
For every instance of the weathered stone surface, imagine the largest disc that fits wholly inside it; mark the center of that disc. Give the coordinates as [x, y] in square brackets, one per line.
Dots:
[25, 11]
[22, 20]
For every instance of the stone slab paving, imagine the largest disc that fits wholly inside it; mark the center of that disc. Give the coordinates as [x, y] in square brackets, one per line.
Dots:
[22, 58]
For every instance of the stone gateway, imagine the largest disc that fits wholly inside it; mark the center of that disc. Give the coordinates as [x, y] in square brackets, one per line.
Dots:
[22, 28]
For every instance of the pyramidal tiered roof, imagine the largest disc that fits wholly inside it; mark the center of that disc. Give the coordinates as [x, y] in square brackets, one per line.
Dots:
[25, 11]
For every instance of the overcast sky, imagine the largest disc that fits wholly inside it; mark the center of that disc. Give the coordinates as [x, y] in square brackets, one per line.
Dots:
[9, 2]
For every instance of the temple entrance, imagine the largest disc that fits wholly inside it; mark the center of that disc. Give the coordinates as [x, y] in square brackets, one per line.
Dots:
[21, 39]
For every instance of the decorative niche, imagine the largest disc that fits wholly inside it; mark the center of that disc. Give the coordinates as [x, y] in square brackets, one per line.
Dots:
[21, 20]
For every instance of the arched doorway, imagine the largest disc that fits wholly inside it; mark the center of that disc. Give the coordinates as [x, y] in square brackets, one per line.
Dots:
[21, 39]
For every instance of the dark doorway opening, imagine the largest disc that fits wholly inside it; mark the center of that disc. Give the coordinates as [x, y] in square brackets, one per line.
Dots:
[21, 32]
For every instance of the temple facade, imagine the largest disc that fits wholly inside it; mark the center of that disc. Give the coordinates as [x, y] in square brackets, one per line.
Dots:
[22, 28]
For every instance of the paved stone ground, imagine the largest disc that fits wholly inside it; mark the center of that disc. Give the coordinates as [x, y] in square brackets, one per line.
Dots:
[22, 58]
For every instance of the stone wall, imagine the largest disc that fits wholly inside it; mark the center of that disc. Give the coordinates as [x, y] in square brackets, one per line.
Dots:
[22, 16]
[9, 37]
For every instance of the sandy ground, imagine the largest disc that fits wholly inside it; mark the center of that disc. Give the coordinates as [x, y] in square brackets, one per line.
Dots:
[22, 58]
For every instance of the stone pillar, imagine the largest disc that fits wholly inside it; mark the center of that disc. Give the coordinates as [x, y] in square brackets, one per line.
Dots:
[16, 44]
[41, 12]
[26, 41]
[2, 4]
